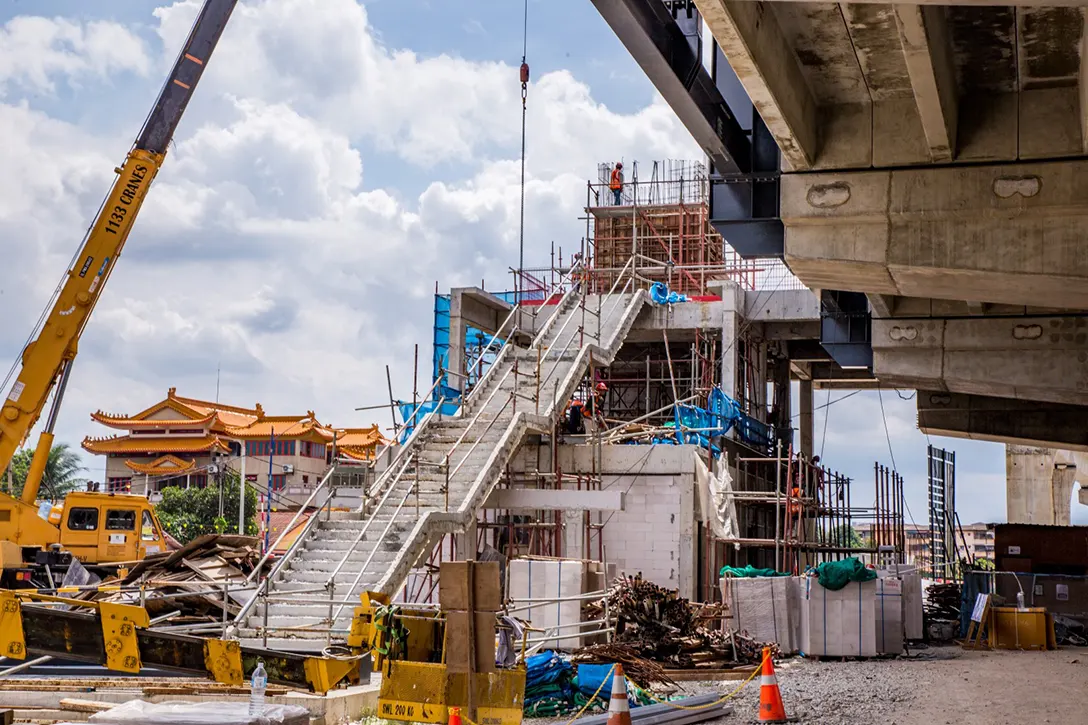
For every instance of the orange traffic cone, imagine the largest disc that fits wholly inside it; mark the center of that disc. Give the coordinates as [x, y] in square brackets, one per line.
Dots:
[771, 708]
[619, 713]
[455, 716]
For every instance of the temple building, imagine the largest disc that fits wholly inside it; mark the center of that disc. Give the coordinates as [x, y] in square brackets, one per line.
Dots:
[187, 442]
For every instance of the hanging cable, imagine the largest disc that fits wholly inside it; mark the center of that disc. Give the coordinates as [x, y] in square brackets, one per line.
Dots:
[524, 94]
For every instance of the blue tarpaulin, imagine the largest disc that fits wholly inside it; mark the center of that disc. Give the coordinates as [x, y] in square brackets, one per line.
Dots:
[411, 415]
[660, 293]
[697, 426]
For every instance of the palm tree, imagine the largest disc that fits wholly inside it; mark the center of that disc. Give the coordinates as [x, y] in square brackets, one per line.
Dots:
[61, 473]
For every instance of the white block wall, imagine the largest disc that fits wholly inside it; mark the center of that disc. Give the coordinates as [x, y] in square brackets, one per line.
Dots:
[654, 534]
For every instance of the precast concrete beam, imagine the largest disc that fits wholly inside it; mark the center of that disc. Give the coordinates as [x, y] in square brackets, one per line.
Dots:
[1003, 420]
[927, 49]
[766, 65]
[1010, 234]
[1029, 358]
[531, 499]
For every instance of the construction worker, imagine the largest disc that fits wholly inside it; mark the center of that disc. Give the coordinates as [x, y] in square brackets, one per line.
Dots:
[575, 418]
[594, 416]
[616, 183]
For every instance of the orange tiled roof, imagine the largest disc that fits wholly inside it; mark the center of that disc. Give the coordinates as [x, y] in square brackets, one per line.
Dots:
[229, 415]
[164, 444]
[189, 410]
[359, 444]
[288, 427]
[162, 465]
[114, 420]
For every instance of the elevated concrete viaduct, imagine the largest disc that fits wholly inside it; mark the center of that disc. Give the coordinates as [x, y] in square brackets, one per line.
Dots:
[932, 157]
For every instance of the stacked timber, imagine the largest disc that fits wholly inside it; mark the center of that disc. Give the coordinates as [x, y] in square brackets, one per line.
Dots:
[188, 583]
[662, 628]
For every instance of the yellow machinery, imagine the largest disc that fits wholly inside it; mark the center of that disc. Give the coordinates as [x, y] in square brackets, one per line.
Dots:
[408, 646]
[92, 527]
[117, 636]
[47, 359]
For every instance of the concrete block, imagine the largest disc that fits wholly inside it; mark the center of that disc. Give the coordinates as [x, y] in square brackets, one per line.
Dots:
[838, 623]
[766, 608]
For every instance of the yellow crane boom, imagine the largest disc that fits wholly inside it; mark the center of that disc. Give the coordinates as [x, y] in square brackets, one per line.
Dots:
[47, 359]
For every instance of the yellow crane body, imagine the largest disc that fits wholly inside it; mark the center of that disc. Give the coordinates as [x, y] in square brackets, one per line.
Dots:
[46, 361]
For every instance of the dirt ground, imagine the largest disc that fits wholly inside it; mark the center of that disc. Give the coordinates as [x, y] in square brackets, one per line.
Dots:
[936, 686]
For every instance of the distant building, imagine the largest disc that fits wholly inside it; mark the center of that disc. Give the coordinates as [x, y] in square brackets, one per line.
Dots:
[976, 542]
[185, 442]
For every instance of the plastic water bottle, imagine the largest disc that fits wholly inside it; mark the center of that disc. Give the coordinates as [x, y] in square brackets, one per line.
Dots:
[257, 685]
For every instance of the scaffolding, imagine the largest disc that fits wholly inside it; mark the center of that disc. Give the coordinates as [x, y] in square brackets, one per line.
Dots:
[942, 513]
[665, 220]
[793, 514]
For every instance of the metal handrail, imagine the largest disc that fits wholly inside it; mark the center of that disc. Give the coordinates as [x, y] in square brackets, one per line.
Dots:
[364, 530]
[381, 480]
[331, 584]
[287, 529]
[406, 447]
[296, 545]
[506, 341]
[478, 440]
[474, 393]
[480, 412]
[569, 294]
[393, 440]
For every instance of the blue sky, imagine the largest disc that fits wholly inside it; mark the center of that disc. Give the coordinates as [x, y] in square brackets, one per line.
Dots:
[337, 160]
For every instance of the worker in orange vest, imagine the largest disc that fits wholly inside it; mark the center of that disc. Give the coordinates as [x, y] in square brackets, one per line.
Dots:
[616, 183]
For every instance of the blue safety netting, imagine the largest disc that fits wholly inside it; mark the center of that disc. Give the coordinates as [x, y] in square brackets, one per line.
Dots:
[699, 426]
[477, 344]
[412, 415]
[660, 293]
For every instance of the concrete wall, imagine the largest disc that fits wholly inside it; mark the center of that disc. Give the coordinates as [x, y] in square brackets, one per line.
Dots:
[654, 535]
[1038, 487]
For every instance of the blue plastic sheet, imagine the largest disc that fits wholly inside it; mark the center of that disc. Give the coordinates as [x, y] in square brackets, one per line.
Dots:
[660, 293]
[547, 675]
[411, 415]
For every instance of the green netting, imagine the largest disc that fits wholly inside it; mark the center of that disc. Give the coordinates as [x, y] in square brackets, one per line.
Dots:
[835, 575]
[748, 572]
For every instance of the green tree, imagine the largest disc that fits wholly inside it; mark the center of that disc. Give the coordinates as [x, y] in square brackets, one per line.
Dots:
[61, 473]
[843, 535]
[186, 513]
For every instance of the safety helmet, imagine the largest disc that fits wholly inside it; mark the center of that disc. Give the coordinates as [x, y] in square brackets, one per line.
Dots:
[601, 386]
[619, 164]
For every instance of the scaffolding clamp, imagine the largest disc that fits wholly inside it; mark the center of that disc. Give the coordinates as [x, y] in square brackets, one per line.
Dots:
[12, 639]
[223, 658]
[119, 623]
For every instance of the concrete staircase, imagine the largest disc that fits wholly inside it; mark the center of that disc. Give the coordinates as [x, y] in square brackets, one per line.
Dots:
[440, 477]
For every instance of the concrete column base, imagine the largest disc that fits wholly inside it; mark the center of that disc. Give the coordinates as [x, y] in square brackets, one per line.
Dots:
[1038, 488]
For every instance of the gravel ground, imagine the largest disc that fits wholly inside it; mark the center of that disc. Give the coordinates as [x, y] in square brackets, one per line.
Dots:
[941, 685]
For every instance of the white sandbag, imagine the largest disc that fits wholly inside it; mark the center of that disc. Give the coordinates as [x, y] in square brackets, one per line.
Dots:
[138, 712]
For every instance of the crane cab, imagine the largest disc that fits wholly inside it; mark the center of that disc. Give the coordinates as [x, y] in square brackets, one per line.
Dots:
[105, 528]
[98, 529]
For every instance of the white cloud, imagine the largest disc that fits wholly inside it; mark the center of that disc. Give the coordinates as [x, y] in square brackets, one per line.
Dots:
[264, 249]
[34, 51]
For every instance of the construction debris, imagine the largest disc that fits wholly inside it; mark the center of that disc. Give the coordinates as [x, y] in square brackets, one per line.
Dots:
[941, 612]
[639, 670]
[656, 628]
[187, 585]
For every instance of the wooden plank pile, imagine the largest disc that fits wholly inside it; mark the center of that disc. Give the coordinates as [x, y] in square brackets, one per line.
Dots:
[189, 581]
[661, 627]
